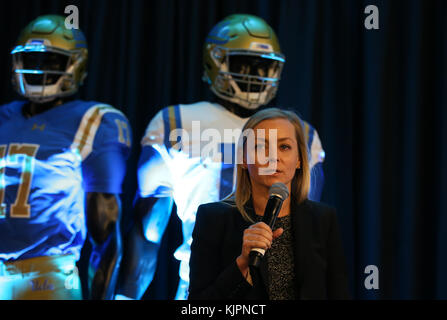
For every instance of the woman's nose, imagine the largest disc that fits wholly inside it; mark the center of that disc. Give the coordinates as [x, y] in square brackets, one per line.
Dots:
[273, 156]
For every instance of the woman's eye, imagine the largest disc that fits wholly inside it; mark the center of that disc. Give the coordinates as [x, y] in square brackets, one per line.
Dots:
[284, 147]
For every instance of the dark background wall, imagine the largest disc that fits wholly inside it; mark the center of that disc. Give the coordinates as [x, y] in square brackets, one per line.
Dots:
[376, 97]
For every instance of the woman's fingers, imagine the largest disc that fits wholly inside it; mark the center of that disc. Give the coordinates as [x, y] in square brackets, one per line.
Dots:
[255, 245]
[259, 235]
[257, 242]
[261, 225]
[277, 233]
[259, 232]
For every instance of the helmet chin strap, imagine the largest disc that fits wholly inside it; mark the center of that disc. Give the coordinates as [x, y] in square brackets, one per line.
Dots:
[238, 110]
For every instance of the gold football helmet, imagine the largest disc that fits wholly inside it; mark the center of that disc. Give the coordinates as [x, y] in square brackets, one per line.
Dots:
[243, 61]
[49, 60]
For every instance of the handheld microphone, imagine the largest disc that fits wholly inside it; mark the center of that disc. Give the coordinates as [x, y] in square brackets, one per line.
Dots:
[277, 194]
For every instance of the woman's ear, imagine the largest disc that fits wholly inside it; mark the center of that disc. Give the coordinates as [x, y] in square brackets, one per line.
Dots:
[298, 165]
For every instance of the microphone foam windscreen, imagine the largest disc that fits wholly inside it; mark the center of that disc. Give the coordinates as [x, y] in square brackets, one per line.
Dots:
[280, 190]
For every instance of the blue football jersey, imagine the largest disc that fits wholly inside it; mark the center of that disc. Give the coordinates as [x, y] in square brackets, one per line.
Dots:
[47, 164]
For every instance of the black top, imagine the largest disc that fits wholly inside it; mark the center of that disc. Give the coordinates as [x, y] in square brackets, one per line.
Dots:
[281, 263]
[319, 264]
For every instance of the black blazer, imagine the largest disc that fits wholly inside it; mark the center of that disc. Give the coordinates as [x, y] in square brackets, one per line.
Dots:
[217, 242]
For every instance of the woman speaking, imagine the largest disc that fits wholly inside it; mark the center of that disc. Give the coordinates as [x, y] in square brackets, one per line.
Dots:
[303, 254]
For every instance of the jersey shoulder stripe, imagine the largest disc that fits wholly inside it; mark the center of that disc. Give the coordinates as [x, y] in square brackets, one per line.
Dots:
[85, 135]
[171, 121]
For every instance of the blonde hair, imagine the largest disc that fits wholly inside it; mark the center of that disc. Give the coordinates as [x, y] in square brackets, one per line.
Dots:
[301, 180]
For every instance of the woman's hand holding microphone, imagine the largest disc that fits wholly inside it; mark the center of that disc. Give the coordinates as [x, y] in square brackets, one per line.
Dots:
[258, 235]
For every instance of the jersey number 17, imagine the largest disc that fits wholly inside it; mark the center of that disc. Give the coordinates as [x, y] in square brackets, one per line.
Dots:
[22, 155]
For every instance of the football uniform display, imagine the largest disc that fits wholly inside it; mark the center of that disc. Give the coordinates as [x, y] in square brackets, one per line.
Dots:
[47, 164]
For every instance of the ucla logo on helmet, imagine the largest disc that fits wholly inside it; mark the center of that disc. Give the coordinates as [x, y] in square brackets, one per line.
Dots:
[261, 47]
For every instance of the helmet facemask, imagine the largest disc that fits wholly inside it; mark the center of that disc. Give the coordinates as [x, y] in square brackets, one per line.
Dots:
[43, 73]
[246, 77]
